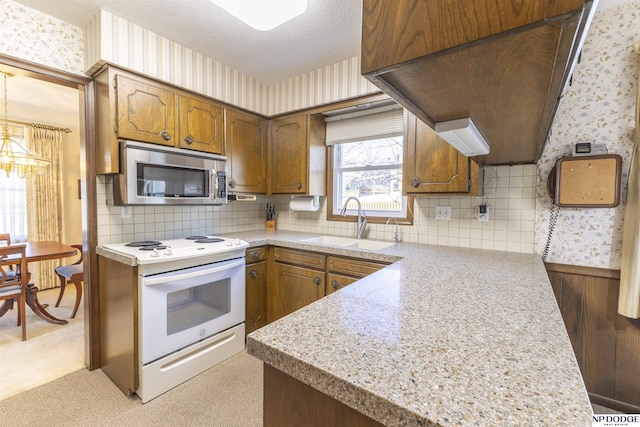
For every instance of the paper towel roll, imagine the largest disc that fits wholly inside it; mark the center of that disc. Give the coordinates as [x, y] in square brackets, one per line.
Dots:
[304, 203]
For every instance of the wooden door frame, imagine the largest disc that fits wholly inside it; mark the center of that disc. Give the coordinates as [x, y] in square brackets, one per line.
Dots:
[86, 101]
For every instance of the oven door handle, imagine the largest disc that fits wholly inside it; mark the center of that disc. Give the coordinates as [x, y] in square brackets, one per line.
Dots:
[182, 276]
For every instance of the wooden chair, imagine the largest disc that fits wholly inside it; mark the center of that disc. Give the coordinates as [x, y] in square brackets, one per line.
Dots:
[14, 287]
[74, 274]
[6, 237]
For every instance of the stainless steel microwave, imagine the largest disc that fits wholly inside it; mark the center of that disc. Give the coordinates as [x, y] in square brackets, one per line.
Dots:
[158, 175]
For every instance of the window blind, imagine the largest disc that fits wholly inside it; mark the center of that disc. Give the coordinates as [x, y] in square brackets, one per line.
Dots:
[374, 123]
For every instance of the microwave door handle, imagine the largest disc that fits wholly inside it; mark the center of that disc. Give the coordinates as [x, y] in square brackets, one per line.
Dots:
[183, 276]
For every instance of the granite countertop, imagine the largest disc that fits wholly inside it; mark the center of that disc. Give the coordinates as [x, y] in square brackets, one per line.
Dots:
[444, 336]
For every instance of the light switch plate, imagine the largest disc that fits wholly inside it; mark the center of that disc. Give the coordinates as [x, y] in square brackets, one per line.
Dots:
[443, 213]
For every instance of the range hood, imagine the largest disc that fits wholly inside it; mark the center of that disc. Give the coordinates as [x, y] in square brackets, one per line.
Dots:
[505, 68]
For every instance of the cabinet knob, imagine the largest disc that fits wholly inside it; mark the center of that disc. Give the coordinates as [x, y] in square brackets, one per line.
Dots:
[165, 135]
[232, 183]
[255, 255]
[252, 273]
[335, 285]
[316, 280]
[415, 182]
[189, 139]
[299, 185]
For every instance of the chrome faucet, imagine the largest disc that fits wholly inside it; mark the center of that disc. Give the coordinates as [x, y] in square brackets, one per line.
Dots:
[396, 236]
[361, 222]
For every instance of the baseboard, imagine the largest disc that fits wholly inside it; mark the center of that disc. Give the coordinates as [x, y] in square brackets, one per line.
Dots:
[617, 405]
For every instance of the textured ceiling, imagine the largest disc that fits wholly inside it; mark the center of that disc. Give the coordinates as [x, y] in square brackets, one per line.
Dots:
[329, 31]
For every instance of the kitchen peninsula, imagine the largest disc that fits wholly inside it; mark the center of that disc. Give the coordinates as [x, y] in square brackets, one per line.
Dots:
[443, 336]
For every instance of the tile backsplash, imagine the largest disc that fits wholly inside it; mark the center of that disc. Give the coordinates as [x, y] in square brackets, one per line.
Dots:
[509, 191]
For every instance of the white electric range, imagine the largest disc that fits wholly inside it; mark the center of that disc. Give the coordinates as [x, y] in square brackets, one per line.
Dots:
[191, 307]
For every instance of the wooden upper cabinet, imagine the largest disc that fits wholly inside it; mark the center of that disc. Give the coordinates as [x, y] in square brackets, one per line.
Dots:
[297, 155]
[246, 150]
[201, 125]
[132, 107]
[289, 155]
[503, 63]
[145, 112]
[431, 165]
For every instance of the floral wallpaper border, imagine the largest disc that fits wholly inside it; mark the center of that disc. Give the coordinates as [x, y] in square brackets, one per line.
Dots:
[40, 38]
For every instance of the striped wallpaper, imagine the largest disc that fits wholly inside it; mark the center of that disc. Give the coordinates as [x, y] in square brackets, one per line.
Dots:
[111, 39]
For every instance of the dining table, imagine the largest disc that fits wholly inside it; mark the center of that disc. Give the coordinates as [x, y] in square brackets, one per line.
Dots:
[34, 252]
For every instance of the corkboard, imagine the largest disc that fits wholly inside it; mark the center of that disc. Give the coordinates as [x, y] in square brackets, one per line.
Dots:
[589, 181]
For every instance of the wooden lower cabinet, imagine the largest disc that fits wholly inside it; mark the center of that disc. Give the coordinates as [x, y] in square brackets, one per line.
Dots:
[343, 271]
[289, 402]
[294, 287]
[256, 289]
[297, 278]
[256, 297]
[605, 343]
[119, 323]
[335, 282]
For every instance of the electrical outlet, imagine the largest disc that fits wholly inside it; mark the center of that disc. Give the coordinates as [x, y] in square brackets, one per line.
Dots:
[443, 213]
[125, 212]
[483, 213]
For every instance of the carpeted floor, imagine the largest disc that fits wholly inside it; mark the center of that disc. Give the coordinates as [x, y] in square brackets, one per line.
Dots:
[229, 394]
[51, 351]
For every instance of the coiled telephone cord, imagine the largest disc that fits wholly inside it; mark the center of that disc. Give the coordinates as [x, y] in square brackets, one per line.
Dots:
[553, 219]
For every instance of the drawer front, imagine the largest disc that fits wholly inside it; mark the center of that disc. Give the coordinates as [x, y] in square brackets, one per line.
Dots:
[335, 282]
[352, 267]
[256, 254]
[301, 258]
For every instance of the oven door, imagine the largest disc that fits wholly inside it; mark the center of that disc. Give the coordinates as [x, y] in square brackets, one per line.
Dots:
[182, 307]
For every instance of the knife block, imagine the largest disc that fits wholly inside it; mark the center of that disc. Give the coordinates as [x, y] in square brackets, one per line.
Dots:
[271, 225]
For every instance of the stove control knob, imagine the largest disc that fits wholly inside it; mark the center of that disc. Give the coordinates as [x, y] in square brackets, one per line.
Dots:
[168, 251]
[155, 253]
[236, 242]
[229, 243]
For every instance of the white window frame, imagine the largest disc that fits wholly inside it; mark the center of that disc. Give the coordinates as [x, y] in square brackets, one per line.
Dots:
[337, 185]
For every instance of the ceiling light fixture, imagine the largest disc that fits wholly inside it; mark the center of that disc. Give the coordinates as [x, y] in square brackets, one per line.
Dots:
[464, 136]
[13, 156]
[263, 15]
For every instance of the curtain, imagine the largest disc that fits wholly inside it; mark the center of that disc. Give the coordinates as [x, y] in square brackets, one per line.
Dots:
[44, 203]
[13, 209]
[629, 299]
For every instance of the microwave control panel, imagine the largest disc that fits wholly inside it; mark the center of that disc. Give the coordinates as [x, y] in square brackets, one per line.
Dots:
[221, 176]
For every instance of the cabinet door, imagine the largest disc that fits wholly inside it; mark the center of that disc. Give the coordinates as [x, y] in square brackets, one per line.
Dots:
[201, 125]
[288, 152]
[431, 165]
[335, 282]
[246, 152]
[256, 297]
[145, 112]
[295, 287]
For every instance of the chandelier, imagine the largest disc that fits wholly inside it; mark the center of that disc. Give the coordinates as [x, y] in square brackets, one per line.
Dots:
[13, 156]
